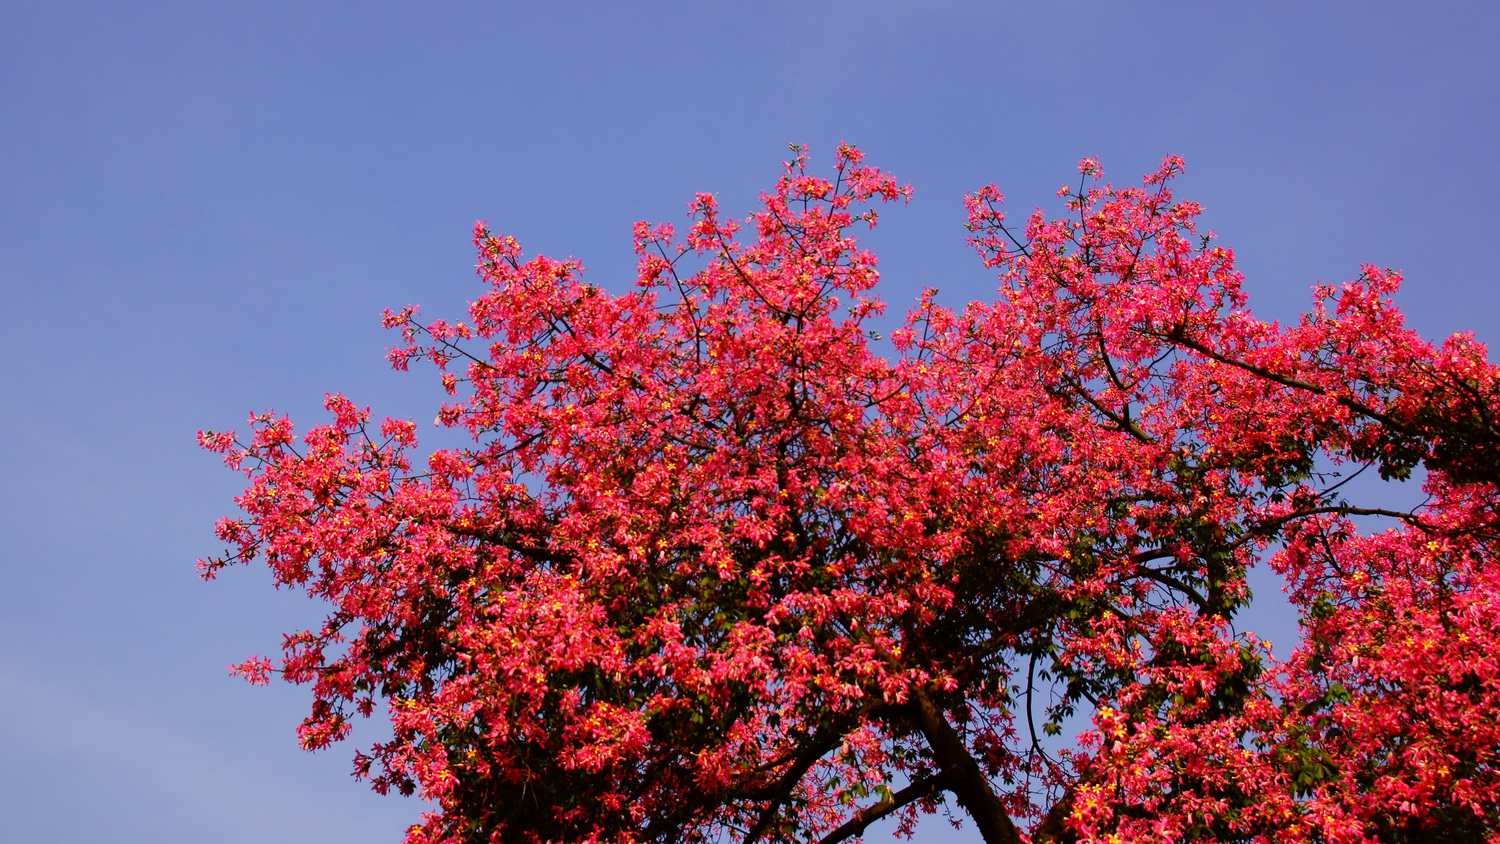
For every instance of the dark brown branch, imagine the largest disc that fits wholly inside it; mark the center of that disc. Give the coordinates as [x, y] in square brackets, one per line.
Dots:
[855, 826]
[1054, 827]
[1173, 583]
[1178, 337]
[969, 784]
[1122, 423]
[788, 781]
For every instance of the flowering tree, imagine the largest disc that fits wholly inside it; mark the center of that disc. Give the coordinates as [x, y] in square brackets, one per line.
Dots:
[715, 569]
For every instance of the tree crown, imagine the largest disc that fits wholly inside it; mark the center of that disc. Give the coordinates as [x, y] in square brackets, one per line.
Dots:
[716, 567]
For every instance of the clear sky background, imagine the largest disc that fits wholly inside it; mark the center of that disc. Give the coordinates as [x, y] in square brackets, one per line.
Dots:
[205, 206]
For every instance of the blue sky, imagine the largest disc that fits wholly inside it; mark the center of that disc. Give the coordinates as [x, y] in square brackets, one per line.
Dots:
[205, 207]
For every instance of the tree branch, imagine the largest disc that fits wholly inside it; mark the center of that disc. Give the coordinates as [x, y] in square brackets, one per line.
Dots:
[970, 785]
[856, 825]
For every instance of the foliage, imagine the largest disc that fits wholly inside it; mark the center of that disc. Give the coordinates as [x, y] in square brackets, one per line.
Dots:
[715, 569]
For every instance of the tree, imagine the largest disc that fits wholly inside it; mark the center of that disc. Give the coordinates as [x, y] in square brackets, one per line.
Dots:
[714, 568]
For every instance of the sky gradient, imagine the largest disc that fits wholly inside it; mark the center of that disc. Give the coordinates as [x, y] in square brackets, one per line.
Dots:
[205, 207]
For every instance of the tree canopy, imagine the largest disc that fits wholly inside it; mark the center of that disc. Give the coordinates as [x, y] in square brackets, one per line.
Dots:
[722, 564]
